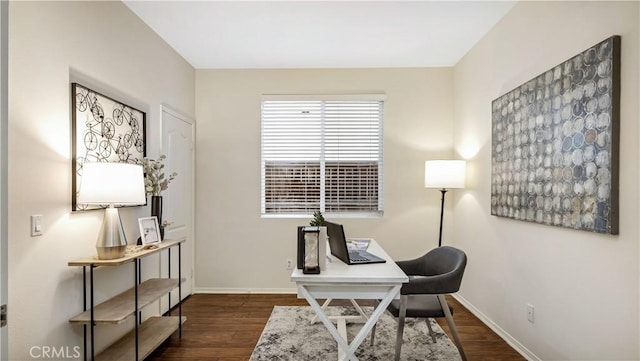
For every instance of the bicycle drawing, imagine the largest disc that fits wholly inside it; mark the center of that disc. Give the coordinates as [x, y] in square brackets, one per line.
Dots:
[103, 130]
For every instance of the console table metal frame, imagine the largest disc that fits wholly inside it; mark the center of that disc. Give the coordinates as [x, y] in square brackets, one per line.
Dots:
[136, 258]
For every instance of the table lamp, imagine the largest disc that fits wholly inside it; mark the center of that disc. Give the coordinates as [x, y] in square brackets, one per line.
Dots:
[110, 184]
[444, 174]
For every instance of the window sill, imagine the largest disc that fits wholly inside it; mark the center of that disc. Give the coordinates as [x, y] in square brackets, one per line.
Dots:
[326, 215]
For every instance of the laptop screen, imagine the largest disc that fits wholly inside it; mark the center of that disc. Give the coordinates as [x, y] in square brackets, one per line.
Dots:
[337, 241]
[338, 245]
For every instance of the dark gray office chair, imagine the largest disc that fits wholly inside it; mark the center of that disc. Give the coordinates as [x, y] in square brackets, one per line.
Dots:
[431, 276]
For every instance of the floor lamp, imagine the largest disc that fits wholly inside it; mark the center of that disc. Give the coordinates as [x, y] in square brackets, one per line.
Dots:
[444, 174]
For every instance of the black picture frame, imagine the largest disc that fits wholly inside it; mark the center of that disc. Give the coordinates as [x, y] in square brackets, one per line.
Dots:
[102, 130]
[555, 144]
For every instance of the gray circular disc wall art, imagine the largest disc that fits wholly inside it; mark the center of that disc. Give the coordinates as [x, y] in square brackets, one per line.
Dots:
[554, 154]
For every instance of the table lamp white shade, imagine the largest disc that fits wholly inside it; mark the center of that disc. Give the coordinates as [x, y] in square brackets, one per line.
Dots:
[112, 183]
[444, 174]
[109, 184]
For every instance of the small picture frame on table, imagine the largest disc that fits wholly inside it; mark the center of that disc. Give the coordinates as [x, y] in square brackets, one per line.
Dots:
[149, 230]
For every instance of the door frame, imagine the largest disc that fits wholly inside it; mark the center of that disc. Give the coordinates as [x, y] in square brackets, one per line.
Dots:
[164, 108]
[4, 124]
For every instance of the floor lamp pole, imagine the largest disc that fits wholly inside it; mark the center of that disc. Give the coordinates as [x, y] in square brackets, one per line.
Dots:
[443, 191]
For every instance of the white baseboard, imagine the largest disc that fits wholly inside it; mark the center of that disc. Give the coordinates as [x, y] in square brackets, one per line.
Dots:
[525, 352]
[245, 290]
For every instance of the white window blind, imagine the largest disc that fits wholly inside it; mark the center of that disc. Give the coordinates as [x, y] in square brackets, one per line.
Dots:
[322, 155]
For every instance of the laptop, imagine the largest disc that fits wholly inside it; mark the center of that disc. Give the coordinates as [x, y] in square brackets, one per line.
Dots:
[338, 245]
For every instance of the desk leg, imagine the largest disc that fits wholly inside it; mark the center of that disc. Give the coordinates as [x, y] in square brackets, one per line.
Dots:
[373, 318]
[342, 343]
[359, 309]
[349, 349]
[324, 307]
[353, 302]
[341, 324]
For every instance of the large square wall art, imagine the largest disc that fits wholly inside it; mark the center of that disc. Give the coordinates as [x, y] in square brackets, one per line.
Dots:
[102, 130]
[554, 151]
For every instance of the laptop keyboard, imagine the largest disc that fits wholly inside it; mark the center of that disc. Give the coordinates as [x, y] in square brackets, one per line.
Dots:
[356, 257]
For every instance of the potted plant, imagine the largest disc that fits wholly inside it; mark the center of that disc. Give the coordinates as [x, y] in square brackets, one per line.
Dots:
[318, 221]
[155, 182]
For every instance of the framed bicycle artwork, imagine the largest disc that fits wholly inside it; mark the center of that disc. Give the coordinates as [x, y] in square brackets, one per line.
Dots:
[102, 130]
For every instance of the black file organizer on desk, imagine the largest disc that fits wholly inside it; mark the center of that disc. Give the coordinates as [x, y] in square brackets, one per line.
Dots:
[301, 251]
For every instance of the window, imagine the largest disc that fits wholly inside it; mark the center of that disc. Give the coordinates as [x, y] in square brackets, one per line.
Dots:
[322, 155]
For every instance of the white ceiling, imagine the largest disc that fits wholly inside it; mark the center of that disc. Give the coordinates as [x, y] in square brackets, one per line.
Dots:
[320, 34]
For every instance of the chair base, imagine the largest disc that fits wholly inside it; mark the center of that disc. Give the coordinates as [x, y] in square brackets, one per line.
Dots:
[401, 321]
[452, 326]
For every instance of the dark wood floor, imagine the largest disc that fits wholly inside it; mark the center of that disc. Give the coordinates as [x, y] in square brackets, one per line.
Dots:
[227, 328]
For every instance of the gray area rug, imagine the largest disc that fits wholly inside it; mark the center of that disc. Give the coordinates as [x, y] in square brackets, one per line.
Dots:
[289, 336]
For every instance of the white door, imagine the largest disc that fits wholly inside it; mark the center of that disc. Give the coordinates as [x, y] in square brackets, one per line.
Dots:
[178, 199]
[4, 120]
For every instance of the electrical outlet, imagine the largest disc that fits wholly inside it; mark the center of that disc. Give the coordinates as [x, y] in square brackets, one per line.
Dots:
[530, 312]
[289, 264]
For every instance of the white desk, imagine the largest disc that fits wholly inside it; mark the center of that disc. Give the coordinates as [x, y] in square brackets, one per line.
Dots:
[380, 281]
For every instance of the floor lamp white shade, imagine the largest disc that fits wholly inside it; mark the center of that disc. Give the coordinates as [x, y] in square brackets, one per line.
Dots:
[444, 174]
[110, 184]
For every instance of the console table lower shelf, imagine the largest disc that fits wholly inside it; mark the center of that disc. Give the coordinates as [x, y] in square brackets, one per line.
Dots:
[151, 334]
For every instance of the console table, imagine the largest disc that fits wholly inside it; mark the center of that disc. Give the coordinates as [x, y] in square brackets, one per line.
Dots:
[146, 336]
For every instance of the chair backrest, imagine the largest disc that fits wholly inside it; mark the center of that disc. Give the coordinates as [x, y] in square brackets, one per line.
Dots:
[448, 264]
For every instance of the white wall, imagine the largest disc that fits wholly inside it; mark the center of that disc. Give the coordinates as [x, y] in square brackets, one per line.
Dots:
[584, 286]
[104, 46]
[239, 251]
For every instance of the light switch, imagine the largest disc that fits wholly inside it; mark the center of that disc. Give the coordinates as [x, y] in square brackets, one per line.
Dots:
[36, 225]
